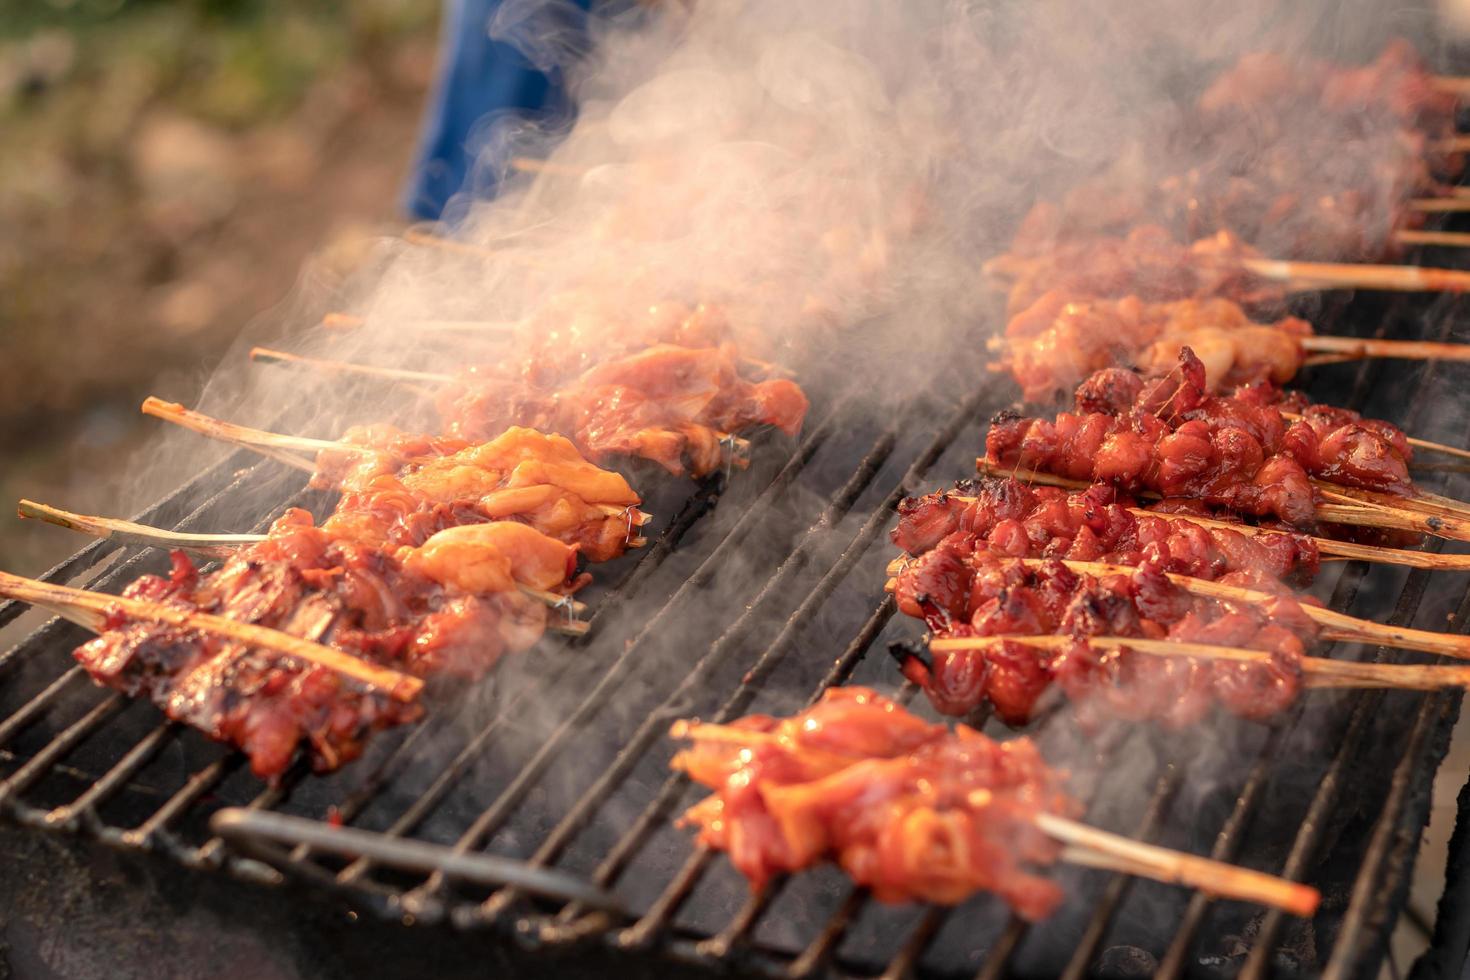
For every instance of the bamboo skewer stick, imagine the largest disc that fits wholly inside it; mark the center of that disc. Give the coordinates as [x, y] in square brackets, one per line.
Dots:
[737, 448]
[1336, 625]
[1362, 514]
[128, 532]
[1426, 445]
[1422, 502]
[1358, 347]
[1453, 144]
[92, 609]
[497, 328]
[1114, 852]
[1347, 275]
[1096, 848]
[1439, 205]
[1318, 672]
[1327, 546]
[271, 444]
[1338, 549]
[1453, 84]
[213, 545]
[1442, 239]
[261, 440]
[265, 355]
[1318, 360]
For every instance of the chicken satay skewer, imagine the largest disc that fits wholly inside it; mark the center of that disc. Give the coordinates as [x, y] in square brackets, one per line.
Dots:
[273, 444]
[1342, 549]
[736, 447]
[1337, 626]
[1360, 515]
[223, 545]
[261, 441]
[1327, 546]
[1098, 848]
[93, 609]
[1342, 348]
[1317, 672]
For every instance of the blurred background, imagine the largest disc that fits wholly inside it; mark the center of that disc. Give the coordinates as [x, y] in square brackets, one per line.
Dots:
[166, 169]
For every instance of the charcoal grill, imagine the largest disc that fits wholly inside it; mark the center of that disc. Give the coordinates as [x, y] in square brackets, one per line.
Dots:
[536, 809]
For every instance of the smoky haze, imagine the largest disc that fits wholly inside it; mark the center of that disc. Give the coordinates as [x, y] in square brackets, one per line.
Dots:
[806, 167]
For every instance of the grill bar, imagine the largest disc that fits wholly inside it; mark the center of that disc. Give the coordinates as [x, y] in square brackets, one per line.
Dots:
[1165, 786]
[657, 918]
[1388, 843]
[651, 729]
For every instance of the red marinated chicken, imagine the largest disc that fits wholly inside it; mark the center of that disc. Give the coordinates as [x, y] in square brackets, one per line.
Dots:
[980, 595]
[1171, 437]
[910, 810]
[672, 405]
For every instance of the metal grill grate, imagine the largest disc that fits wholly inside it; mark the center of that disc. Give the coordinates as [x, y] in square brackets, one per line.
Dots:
[538, 806]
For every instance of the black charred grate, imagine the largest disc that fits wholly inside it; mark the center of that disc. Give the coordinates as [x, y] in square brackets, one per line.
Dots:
[538, 806]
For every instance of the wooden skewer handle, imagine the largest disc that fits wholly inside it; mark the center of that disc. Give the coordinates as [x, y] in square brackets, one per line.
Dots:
[1372, 347]
[1317, 671]
[1440, 239]
[1439, 205]
[271, 444]
[1345, 275]
[1162, 864]
[215, 545]
[223, 545]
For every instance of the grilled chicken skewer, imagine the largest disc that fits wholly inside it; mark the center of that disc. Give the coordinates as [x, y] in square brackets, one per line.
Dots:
[985, 602]
[99, 612]
[1096, 523]
[435, 600]
[472, 406]
[1150, 264]
[520, 474]
[1317, 672]
[1170, 437]
[224, 545]
[915, 811]
[1334, 625]
[1057, 342]
[1247, 161]
[1368, 517]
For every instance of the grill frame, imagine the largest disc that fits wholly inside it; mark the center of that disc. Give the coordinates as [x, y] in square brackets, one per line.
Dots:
[574, 933]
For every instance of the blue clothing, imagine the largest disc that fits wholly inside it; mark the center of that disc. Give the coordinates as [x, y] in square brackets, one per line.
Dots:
[480, 81]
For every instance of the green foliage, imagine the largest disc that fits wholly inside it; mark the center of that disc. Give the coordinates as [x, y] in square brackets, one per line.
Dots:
[229, 62]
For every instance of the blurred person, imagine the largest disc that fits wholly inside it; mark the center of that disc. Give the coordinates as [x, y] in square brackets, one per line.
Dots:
[484, 80]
